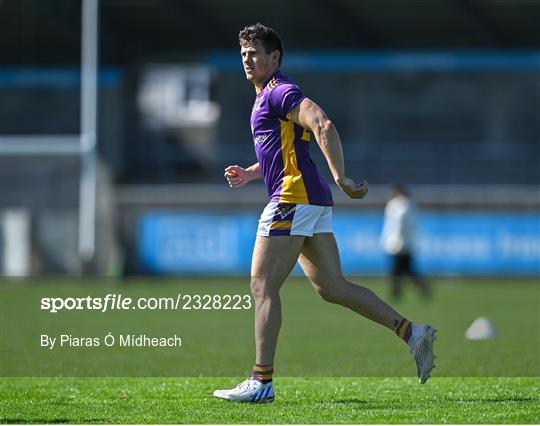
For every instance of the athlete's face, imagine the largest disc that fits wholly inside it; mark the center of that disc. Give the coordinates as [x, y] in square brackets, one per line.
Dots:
[258, 65]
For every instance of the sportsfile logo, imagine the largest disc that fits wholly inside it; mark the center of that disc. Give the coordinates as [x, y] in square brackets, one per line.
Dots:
[111, 302]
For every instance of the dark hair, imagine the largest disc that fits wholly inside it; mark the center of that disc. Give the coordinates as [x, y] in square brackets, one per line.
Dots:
[266, 35]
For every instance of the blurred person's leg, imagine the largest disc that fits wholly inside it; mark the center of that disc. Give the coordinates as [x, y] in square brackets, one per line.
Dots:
[399, 271]
[421, 284]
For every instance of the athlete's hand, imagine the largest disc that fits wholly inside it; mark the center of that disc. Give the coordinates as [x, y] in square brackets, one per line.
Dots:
[237, 176]
[353, 189]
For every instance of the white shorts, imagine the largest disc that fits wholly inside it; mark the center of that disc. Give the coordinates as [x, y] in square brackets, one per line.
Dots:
[294, 219]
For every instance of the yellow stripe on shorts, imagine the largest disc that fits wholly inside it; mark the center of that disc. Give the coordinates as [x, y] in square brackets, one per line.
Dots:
[281, 225]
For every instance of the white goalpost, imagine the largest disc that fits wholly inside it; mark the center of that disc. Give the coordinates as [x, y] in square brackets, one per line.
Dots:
[82, 145]
[89, 57]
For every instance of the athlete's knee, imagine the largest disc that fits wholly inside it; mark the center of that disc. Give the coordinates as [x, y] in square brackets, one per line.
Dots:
[328, 295]
[261, 288]
[333, 293]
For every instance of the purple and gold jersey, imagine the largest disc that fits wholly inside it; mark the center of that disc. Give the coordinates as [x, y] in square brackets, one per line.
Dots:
[282, 146]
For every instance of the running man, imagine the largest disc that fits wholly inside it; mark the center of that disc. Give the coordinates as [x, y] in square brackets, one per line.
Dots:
[296, 223]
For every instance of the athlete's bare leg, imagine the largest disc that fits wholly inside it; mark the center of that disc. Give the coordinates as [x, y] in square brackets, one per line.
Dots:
[273, 260]
[320, 261]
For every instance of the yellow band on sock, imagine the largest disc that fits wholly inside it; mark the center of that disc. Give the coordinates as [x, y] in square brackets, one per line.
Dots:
[403, 327]
[263, 369]
[264, 376]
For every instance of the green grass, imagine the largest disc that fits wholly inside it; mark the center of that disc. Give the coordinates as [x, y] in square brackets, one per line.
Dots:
[493, 381]
[299, 400]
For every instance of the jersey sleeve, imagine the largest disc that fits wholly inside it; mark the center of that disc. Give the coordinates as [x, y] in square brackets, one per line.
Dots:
[284, 98]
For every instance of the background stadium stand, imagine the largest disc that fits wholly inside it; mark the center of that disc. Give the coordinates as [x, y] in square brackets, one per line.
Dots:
[463, 127]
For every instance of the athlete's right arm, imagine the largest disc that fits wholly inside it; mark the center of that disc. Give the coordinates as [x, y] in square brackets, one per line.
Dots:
[310, 116]
[238, 176]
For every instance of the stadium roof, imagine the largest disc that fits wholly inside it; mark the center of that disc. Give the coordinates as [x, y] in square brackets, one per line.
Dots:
[48, 32]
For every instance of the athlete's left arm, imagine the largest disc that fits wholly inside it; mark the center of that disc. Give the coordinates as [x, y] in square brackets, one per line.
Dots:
[310, 116]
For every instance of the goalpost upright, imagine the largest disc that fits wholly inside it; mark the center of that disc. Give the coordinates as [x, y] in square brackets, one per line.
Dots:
[82, 145]
[89, 61]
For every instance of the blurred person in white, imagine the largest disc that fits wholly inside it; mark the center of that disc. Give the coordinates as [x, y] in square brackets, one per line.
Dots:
[398, 240]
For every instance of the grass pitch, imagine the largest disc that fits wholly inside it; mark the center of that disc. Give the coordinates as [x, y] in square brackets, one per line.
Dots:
[319, 400]
[493, 381]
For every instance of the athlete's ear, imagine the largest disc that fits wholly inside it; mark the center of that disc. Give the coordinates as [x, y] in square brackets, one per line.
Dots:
[275, 56]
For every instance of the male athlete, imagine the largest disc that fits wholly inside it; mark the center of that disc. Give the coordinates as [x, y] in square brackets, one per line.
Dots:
[296, 223]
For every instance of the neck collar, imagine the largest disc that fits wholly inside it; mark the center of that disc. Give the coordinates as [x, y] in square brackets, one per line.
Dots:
[275, 74]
